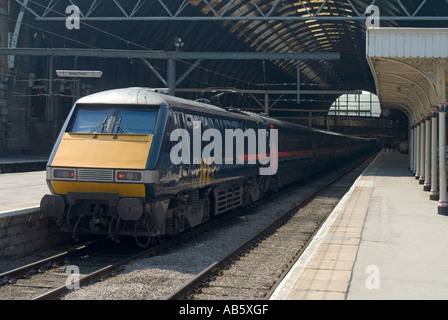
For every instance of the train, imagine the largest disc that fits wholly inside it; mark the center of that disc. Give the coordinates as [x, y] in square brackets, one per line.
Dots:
[137, 162]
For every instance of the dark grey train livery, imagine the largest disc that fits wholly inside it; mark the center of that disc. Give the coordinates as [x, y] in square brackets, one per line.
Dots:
[112, 172]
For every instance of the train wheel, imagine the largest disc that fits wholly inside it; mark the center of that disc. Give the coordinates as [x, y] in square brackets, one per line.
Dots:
[274, 186]
[160, 239]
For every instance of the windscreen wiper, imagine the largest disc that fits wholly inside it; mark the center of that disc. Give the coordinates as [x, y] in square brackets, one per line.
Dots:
[102, 124]
[120, 127]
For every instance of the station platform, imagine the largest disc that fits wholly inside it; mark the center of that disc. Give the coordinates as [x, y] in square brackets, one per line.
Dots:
[384, 240]
[23, 163]
[21, 192]
[22, 183]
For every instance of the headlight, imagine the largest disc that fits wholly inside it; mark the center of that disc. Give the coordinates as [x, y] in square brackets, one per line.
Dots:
[65, 174]
[129, 176]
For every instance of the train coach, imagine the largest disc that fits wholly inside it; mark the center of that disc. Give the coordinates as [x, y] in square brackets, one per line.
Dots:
[135, 162]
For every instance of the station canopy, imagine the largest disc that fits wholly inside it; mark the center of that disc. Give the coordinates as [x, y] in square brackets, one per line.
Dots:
[308, 26]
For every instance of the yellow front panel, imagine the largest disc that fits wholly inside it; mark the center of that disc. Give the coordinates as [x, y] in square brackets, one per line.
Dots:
[125, 190]
[84, 150]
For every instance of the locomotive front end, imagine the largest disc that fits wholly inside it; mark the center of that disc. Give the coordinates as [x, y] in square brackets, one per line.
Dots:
[98, 171]
[103, 167]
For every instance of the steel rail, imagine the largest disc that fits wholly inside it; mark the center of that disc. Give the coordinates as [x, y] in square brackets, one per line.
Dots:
[96, 275]
[20, 271]
[109, 269]
[202, 277]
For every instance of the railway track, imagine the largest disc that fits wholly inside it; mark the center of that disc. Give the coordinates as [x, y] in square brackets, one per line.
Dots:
[51, 277]
[58, 274]
[161, 280]
[254, 269]
[199, 259]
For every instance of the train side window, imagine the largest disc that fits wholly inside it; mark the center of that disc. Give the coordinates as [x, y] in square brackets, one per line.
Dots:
[204, 123]
[211, 123]
[225, 124]
[218, 124]
[171, 123]
[176, 119]
[221, 125]
[196, 119]
[180, 119]
[189, 121]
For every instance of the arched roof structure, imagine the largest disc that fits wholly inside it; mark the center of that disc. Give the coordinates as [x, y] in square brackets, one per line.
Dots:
[316, 26]
[409, 66]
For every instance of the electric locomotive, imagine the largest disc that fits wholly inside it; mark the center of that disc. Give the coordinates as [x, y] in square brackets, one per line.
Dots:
[135, 162]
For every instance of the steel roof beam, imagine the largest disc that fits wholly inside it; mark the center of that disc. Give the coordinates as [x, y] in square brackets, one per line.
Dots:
[272, 91]
[138, 54]
[170, 56]
[279, 10]
[252, 18]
